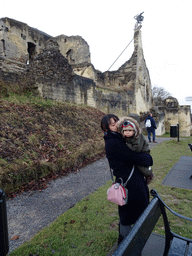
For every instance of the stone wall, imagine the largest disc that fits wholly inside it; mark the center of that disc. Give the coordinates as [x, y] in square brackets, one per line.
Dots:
[61, 69]
[80, 90]
[74, 48]
[143, 91]
[175, 114]
[50, 66]
[160, 123]
[51, 73]
[132, 79]
[109, 101]
[181, 116]
[185, 120]
[19, 42]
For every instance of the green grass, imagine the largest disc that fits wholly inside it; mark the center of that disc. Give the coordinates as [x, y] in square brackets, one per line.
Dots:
[165, 156]
[91, 226]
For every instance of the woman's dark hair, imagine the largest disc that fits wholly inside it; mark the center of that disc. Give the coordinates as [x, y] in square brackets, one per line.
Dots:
[105, 122]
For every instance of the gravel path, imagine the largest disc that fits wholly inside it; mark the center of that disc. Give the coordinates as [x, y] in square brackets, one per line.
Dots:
[30, 212]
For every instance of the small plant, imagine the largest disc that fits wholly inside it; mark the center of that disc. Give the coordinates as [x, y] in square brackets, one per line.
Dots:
[33, 139]
[3, 162]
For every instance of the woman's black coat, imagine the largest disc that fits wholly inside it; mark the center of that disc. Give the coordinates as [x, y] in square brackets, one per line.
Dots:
[121, 160]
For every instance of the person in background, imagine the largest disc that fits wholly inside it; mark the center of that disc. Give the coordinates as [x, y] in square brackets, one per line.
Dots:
[151, 126]
[122, 160]
[129, 128]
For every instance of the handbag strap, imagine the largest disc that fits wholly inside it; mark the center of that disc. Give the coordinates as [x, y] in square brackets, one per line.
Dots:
[111, 175]
[128, 177]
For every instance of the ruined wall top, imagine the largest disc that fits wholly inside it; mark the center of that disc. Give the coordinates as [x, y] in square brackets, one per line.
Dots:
[19, 42]
[22, 43]
[10, 25]
[50, 66]
[171, 102]
[75, 49]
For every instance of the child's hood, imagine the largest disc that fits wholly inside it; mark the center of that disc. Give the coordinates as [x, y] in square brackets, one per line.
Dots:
[127, 118]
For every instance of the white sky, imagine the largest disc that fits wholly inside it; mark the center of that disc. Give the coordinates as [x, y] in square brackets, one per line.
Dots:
[108, 27]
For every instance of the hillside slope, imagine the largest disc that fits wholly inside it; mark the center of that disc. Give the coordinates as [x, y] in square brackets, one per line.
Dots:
[39, 137]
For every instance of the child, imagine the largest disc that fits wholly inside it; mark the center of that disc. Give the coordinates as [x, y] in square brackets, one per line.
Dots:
[131, 132]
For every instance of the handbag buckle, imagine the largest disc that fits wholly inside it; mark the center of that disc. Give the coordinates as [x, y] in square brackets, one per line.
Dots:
[116, 186]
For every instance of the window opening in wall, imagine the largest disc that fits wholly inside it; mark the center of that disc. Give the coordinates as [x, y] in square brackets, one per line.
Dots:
[31, 50]
[68, 53]
[69, 56]
[3, 46]
[23, 36]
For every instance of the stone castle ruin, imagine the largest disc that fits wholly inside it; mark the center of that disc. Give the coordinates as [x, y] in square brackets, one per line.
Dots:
[61, 69]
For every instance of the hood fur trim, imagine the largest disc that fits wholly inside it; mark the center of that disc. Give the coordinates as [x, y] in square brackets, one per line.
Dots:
[127, 118]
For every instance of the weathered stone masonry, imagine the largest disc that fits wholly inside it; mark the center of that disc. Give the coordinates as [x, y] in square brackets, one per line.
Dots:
[60, 67]
[110, 91]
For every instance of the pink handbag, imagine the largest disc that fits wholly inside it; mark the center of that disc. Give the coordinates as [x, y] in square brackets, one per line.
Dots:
[117, 193]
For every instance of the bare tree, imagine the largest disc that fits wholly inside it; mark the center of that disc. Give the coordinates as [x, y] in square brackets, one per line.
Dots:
[159, 94]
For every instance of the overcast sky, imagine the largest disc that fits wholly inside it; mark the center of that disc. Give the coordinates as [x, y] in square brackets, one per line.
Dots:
[108, 27]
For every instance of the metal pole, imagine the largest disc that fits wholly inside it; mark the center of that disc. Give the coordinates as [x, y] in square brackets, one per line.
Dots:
[178, 132]
[4, 241]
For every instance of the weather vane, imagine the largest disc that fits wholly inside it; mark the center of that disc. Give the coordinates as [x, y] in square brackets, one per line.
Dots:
[139, 18]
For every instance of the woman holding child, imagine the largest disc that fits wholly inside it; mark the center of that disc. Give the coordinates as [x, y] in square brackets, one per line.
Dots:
[121, 160]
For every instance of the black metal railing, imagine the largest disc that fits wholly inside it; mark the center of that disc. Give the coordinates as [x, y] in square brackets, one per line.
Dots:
[4, 241]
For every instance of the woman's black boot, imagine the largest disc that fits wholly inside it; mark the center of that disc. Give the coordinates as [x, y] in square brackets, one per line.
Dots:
[120, 239]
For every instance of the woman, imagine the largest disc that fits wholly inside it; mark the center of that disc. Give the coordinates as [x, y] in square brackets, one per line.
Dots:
[121, 160]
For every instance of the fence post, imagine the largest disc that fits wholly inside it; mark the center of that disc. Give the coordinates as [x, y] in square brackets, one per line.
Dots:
[4, 241]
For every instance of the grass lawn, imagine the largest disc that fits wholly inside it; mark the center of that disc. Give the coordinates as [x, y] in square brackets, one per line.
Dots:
[91, 226]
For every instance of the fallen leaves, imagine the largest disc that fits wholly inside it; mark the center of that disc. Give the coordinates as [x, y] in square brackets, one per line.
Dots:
[34, 137]
[16, 237]
[89, 243]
